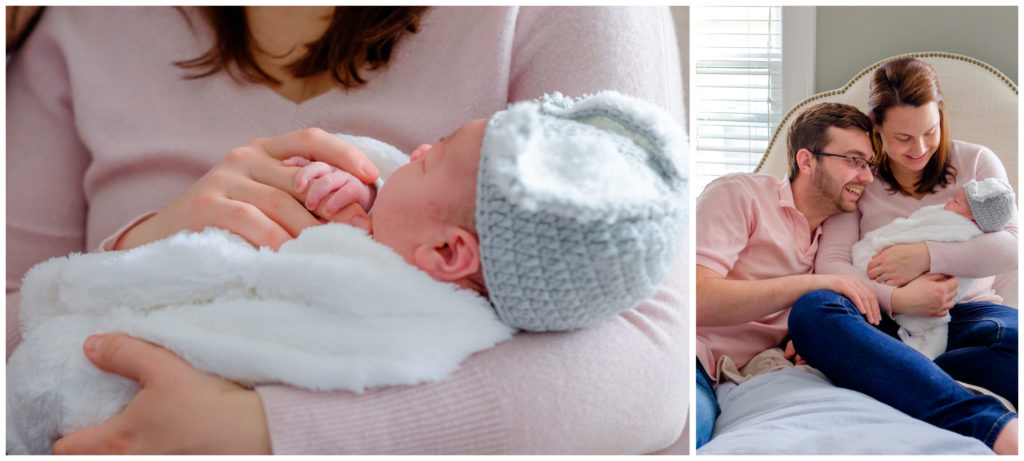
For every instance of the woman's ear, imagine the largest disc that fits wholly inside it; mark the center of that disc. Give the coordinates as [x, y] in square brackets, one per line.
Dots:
[453, 257]
[803, 161]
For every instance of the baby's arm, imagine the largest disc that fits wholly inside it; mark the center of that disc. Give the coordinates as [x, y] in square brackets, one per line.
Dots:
[329, 188]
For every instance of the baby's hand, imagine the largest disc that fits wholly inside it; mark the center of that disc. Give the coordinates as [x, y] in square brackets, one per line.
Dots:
[325, 181]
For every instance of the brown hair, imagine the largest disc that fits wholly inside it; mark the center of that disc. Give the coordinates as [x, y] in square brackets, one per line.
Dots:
[910, 82]
[358, 38]
[810, 129]
[19, 28]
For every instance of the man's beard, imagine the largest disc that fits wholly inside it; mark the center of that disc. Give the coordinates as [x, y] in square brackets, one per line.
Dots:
[832, 192]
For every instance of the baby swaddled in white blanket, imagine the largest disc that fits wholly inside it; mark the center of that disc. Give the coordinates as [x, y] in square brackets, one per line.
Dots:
[332, 309]
[978, 207]
[338, 309]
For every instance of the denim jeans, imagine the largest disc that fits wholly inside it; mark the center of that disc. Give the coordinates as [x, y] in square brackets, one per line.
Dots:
[707, 406]
[832, 336]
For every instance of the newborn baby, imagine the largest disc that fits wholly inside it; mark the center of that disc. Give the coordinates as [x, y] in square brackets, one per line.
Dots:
[561, 212]
[979, 206]
[425, 212]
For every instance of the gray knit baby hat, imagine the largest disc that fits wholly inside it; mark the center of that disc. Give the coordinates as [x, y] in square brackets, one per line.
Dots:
[991, 201]
[581, 207]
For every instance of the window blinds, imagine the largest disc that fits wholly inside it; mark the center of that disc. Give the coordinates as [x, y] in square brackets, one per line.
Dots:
[738, 87]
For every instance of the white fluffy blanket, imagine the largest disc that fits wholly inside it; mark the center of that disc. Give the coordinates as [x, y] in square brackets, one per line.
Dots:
[331, 310]
[926, 334]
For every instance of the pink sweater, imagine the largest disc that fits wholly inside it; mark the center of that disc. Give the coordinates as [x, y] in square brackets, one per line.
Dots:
[102, 129]
[984, 256]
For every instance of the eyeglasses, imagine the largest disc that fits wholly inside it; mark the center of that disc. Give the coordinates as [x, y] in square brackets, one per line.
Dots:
[852, 160]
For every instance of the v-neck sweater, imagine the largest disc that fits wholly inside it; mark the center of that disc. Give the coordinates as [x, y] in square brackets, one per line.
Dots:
[982, 257]
[103, 128]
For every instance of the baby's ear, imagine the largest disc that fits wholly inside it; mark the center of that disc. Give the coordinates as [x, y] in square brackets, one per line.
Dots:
[454, 256]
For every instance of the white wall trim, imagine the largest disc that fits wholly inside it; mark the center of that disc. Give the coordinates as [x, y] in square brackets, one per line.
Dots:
[799, 36]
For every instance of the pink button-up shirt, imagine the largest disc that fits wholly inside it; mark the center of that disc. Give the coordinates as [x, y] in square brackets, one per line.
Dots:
[748, 228]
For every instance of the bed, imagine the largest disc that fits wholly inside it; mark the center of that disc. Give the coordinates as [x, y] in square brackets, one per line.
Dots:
[794, 410]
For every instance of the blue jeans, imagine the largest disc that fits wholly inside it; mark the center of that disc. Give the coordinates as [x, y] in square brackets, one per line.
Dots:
[707, 406]
[830, 333]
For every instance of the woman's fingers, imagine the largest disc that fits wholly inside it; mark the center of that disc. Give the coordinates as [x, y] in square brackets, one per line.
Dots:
[178, 409]
[126, 356]
[108, 438]
[353, 215]
[261, 219]
[320, 145]
[254, 191]
[950, 297]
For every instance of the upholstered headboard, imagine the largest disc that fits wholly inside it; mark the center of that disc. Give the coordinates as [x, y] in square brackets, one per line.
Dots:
[981, 104]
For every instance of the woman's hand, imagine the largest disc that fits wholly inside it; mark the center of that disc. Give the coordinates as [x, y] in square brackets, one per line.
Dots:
[250, 192]
[177, 410]
[899, 264]
[930, 295]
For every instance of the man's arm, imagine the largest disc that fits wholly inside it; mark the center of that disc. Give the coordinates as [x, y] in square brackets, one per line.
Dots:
[722, 302]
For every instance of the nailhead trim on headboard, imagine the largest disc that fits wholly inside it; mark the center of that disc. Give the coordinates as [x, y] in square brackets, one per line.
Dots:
[870, 69]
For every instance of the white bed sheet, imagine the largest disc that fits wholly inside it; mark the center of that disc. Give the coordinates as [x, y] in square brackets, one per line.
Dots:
[791, 411]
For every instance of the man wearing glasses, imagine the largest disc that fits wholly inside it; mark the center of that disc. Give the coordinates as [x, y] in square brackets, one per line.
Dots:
[757, 237]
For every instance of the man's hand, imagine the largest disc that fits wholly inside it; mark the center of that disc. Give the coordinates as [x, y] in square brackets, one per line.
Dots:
[861, 296]
[178, 409]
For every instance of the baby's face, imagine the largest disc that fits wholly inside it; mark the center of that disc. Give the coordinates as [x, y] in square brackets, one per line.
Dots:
[958, 204]
[436, 187]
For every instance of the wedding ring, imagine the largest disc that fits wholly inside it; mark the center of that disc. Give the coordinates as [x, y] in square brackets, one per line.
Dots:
[880, 279]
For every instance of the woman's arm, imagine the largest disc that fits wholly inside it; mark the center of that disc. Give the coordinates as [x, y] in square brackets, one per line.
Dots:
[251, 192]
[988, 254]
[925, 295]
[618, 387]
[835, 254]
[46, 163]
[985, 255]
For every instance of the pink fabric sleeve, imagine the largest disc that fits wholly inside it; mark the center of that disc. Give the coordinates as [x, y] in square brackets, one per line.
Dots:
[722, 227]
[46, 162]
[577, 50]
[988, 254]
[835, 254]
[619, 387]
[108, 243]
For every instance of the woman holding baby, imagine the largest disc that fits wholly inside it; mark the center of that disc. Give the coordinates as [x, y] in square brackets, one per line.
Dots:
[118, 124]
[919, 165]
